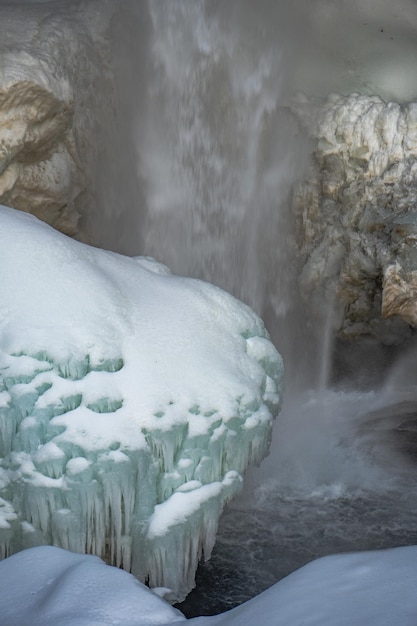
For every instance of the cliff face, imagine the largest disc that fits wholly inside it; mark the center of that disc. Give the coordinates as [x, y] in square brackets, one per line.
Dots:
[356, 216]
[53, 62]
[38, 158]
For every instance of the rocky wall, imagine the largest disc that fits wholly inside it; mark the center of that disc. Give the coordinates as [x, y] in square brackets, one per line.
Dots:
[54, 78]
[357, 218]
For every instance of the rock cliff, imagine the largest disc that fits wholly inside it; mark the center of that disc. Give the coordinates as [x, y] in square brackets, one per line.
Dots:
[356, 215]
[53, 60]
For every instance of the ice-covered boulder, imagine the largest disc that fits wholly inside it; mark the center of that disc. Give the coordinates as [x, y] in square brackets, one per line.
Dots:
[131, 402]
[356, 214]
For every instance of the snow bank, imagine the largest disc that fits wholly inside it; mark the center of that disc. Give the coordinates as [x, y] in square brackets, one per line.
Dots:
[131, 402]
[40, 586]
[46, 585]
[341, 590]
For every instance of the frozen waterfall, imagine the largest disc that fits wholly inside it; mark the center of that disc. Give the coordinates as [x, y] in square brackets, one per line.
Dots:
[269, 148]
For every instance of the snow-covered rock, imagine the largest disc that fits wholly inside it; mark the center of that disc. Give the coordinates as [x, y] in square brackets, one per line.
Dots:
[131, 402]
[356, 214]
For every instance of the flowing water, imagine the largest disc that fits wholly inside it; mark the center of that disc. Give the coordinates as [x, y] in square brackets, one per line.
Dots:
[340, 478]
[202, 161]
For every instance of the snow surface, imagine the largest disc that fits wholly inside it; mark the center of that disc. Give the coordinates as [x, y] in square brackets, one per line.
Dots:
[361, 588]
[131, 402]
[46, 586]
[50, 586]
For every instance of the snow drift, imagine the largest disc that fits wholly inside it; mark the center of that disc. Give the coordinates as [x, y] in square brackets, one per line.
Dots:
[38, 588]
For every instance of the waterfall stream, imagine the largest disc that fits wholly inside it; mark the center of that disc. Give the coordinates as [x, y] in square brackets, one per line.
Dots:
[206, 151]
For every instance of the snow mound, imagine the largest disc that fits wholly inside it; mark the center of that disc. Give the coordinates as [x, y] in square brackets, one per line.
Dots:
[131, 402]
[375, 587]
[44, 586]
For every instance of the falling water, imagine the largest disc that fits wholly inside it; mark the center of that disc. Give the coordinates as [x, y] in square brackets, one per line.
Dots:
[202, 162]
[205, 150]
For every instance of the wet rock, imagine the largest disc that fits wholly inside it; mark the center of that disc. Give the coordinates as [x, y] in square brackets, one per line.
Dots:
[38, 163]
[399, 296]
[54, 76]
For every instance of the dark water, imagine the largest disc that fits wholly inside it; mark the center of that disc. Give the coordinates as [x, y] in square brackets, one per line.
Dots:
[286, 527]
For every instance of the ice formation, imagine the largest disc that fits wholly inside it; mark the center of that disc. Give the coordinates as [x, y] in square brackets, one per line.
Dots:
[38, 588]
[131, 403]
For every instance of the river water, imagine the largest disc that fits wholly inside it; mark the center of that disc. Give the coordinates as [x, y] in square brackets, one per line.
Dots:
[342, 480]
